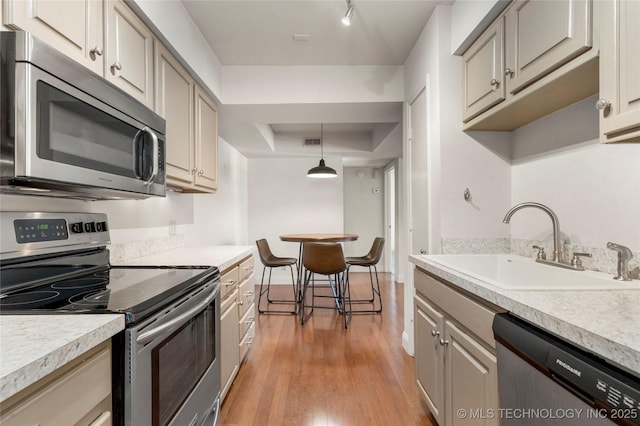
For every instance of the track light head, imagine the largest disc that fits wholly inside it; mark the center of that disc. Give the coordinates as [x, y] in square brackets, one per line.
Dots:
[346, 19]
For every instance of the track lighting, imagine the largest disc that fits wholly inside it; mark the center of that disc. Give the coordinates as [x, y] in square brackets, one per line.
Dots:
[346, 19]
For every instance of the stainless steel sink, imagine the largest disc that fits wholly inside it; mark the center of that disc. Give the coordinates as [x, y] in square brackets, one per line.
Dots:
[512, 272]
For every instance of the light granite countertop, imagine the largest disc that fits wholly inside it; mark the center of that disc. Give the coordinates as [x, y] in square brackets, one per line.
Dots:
[606, 323]
[221, 256]
[32, 346]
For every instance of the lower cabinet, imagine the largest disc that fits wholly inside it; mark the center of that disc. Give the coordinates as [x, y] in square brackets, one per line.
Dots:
[237, 320]
[456, 365]
[229, 359]
[77, 394]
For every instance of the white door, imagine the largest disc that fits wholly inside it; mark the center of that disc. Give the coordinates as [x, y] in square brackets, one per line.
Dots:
[390, 220]
[418, 155]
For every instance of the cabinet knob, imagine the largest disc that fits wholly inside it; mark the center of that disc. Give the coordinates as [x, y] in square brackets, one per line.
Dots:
[602, 104]
[193, 171]
[116, 66]
[444, 342]
[96, 51]
[435, 333]
[494, 82]
[508, 72]
[200, 172]
[423, 251]
[240, 303]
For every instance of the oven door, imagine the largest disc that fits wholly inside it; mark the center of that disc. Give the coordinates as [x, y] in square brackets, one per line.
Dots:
[173, 376]
[63, 135]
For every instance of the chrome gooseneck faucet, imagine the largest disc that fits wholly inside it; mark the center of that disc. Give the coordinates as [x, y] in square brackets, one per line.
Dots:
[557, 252]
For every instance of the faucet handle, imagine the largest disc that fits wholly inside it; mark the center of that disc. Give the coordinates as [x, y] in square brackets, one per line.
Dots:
[576, 262]
[541, 254]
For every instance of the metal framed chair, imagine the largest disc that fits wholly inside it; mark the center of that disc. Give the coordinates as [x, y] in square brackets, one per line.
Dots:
[270, 261]
[324, 259]
[370, 260]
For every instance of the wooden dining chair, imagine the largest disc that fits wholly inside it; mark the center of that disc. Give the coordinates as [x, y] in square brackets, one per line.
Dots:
[370, 260]
[270, 261]
[324, 259]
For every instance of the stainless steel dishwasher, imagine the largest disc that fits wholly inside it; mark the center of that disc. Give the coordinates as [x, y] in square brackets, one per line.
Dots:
[544, 380]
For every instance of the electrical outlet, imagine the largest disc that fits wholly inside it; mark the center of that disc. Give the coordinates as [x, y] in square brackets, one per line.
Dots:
[172, 227]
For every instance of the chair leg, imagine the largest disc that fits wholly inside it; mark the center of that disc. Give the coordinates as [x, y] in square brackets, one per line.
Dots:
[304, 317]
[374, 292]
[346, 296]
[275, 301]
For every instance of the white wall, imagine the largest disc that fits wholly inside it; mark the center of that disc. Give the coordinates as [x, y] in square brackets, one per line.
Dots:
[311, 84]
[182, 37]
[592, 187]
[283, 200]
[363, 209]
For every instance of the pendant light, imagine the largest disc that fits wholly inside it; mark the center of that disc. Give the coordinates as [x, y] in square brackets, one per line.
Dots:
[321, 170]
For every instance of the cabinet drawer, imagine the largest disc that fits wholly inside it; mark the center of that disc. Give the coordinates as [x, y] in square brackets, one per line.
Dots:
[70, 398]
[472, 315]
[246, 268]
[247, 341]
[228, 282]
[245, 297]
[247, 320]
[231, 300]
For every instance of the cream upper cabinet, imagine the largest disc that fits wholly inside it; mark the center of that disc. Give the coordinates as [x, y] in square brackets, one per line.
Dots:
[483, 64]
[192, 120]
[206, 142]
[75, 28]
[549, 60]
[175, 102]
[542, 36]
[619, 102]
[129, 52]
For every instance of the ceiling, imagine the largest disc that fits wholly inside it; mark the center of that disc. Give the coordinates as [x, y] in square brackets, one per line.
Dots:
[309, 32]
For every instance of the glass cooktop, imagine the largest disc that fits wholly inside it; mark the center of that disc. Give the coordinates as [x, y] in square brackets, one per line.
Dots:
[134, 291]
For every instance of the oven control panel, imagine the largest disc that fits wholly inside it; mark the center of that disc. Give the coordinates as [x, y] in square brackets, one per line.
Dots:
[35, 230]
[36, 233]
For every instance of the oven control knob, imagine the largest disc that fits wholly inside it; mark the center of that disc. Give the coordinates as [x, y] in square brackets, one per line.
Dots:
[77, 228]
[101, 226]
[90, 227]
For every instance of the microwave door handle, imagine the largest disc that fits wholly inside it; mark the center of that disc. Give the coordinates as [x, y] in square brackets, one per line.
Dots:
[151, 334]
[156, 155]
[137, 161]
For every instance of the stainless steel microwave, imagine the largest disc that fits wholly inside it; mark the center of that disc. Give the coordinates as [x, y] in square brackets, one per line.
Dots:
[67, 132]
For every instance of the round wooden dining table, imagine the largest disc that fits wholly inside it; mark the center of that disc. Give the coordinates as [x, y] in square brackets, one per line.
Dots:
[313, 238]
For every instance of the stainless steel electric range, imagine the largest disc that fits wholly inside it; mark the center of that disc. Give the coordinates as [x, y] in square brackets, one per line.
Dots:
[166, 363]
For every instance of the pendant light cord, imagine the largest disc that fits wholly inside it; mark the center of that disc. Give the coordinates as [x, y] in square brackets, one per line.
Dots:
[321, 143]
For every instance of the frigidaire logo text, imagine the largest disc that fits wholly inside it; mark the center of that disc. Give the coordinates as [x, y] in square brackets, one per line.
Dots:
[568, 367]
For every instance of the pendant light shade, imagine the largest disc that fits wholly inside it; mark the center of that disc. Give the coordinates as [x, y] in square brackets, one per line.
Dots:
[321, 171]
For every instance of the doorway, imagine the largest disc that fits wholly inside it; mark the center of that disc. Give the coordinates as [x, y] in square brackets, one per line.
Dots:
[390, 220]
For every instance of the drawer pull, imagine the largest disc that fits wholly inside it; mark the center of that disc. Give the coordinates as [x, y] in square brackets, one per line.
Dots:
[444, 342]
[229, 283]
[435, 333]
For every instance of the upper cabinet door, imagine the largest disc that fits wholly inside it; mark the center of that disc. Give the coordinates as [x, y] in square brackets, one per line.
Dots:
[542, 36]
[483, 65]
[129, 53]
[620, 72]
[75, 28]
[174, 102]
[206, 141]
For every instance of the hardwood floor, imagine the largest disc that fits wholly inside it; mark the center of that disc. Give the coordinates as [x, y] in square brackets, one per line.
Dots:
[322, 374]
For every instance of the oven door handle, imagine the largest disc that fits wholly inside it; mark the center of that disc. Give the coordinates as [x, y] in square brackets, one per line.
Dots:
[151, 334]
